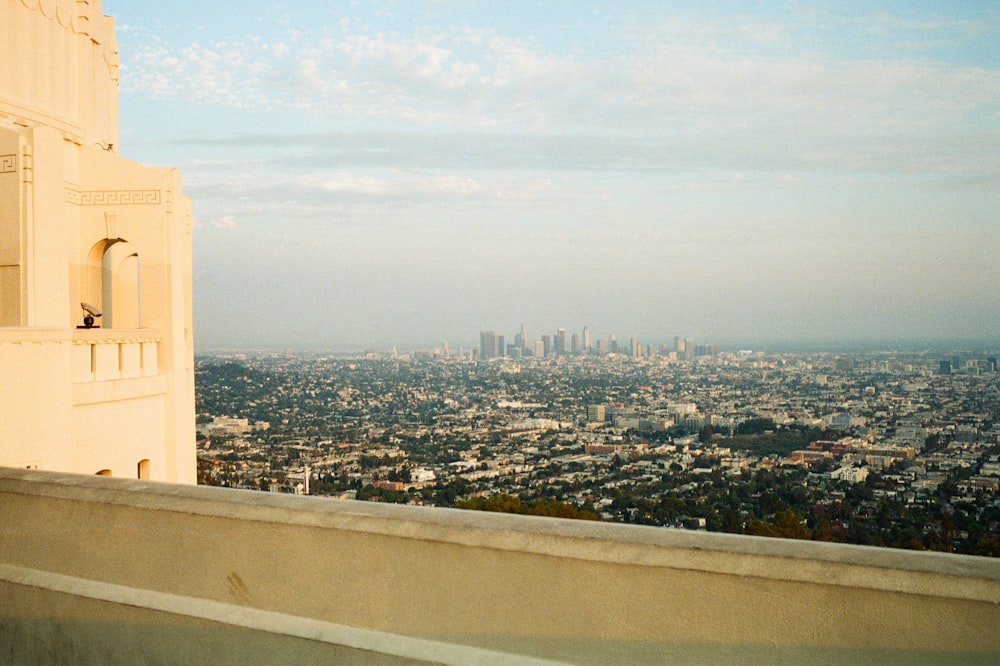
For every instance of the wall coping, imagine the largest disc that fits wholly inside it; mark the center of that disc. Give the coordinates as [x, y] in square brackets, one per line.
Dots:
[78, 335]
[914, 572]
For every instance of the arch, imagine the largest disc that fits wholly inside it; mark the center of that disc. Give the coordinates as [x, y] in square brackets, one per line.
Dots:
[112, 277]
[104, 472]
[142, 469]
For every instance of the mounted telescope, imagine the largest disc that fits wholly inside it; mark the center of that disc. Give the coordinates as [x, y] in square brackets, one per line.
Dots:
[89, 314]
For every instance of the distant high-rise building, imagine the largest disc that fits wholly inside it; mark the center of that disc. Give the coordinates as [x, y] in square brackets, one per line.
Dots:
[688, 348]
[561, 341]
[586, 340]
[601, 347]
[489, 344]
[635, 348]
[706, 350]
[521, 339]
[546, 345]
[539, 348]
[574, 345]
[678, 345]
[501, 346]
[595, 414]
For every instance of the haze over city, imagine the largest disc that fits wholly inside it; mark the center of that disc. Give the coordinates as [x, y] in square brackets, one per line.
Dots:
[368, 174]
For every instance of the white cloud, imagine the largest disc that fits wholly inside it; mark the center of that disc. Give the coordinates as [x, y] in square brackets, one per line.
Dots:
[773, 107]
[224, 222]
[395, 183]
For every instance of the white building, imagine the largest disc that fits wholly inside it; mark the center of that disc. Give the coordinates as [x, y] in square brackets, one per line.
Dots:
[79, 224]
[850, 474]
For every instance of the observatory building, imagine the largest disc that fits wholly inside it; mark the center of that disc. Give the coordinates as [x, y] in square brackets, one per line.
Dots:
[96, 354]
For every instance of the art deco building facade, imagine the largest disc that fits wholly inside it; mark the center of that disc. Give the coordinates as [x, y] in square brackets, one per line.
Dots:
[79, 224]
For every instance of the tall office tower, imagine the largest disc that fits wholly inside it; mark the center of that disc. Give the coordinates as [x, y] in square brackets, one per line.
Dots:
[601, 347]
[561, 341]
[521, 339]
[688, 348]
[612, 344]
[539, 348]
[95, 263]
[501, 347]
[586, 340]
[546, 345]
[575, 343]
[706, 350]
[596, 414]
[636, 349]
[678, 345]
[489, 344]
[444, 349]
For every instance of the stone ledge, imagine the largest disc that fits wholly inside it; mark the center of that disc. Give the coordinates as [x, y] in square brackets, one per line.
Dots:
[839, 565]
[378, 642]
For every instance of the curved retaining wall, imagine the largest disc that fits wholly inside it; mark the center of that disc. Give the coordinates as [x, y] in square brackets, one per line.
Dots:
[96, 569]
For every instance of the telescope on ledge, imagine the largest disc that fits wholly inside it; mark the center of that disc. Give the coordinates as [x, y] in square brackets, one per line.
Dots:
[89, 314]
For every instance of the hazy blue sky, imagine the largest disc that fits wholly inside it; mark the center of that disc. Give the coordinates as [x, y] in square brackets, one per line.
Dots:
[404, 173]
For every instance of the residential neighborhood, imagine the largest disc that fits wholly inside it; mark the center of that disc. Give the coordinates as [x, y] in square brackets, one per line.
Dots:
[894, 449]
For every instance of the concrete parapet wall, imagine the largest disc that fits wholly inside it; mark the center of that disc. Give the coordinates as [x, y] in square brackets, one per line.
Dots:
[114, 569]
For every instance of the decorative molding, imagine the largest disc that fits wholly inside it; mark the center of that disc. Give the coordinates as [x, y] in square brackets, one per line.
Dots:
[62, 11]
[111, 226]
[27, 164]
[113, 197]
[83, 18]
[8, 163]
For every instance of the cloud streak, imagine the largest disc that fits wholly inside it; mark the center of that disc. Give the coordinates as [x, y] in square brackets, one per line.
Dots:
[394, 75]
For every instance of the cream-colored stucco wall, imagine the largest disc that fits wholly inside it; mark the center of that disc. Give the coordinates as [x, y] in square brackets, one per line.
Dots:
[459, 587]
[60, 68]
[79, 223]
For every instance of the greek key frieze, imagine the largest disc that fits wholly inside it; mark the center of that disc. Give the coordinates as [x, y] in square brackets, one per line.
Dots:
[8, 163]
[114, 197]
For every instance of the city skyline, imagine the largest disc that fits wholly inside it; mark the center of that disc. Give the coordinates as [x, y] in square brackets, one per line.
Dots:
[380, 175]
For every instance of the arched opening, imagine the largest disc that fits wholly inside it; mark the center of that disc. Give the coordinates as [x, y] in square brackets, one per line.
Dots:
[143, 469]
[104, 472]
[112, 282]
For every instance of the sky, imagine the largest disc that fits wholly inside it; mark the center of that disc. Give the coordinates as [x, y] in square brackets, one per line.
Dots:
[379, 174]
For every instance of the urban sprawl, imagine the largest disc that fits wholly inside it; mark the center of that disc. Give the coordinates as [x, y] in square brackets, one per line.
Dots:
[896, 449]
